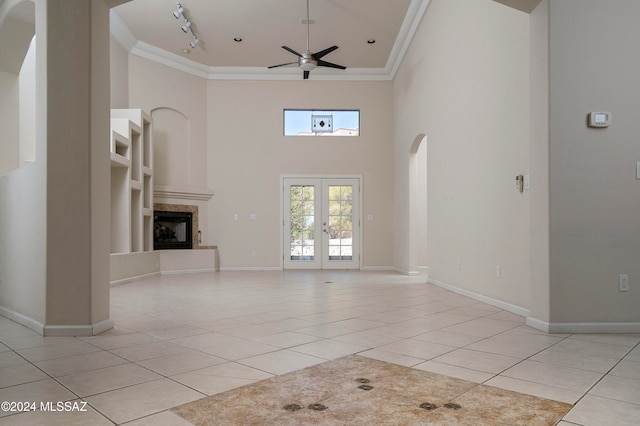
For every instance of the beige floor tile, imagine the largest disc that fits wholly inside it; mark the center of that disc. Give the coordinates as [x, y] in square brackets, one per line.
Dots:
[447, 338]
[590, 347]
[107, 379]
[394, 358]
[165, 418]
[26, 342]
[597, 411]
[537, 389]
[475, 360]
[619, 388]
[176, 332]
[236, 348]
[19, 374]
[417, 348]
[142, 400]
[10, 358]
[282, 361]
[121, 341]
[169, 365]
[329, 349]
[202, 340]
[287, 339]
[627, 368]
[59, 418]
[568, 378]
[148, 350]
[220, 378]
[455, 371]
[629, 340]
[77, 363]
[43, 353]
[575, 359]
[41, 391]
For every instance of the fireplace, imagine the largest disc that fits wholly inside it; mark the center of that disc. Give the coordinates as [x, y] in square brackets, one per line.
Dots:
[172, 230]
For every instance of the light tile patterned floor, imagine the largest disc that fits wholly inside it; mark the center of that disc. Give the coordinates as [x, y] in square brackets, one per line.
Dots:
[178, 338]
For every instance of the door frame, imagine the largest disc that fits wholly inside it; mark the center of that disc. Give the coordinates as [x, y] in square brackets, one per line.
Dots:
[321, 176]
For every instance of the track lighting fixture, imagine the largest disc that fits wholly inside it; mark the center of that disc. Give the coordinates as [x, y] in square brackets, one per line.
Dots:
[187, 27]
[178, 11]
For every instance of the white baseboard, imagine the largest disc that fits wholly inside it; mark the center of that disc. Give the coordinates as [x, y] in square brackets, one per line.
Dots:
[518, 310]
[21, 319]
[57, 330]
[134, 278]
[584, 327]
[188, 271]
[406, 272]
[250, 268]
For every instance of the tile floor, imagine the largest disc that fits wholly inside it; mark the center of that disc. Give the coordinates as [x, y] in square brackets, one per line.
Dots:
[179, 338]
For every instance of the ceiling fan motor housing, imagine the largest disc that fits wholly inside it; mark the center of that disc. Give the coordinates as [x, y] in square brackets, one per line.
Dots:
[307, 62]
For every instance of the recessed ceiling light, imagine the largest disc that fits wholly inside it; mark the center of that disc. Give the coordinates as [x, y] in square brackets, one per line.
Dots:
[186, 51]
[371, 41]
[237, 39]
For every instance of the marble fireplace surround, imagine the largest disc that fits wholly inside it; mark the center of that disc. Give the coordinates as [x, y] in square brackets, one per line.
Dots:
[182, 208]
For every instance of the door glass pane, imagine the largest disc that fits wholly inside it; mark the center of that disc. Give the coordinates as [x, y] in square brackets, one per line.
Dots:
[302, 222]
[340, 222]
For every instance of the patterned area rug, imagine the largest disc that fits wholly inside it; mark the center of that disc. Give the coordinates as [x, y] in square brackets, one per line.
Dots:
[355, 390]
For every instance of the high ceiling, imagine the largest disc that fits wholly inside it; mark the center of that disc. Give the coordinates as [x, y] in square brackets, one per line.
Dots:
[148, 28]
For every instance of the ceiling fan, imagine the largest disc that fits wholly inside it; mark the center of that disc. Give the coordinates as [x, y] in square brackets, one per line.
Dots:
[308, 61]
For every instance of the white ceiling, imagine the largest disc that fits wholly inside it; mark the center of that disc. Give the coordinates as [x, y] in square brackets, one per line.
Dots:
[148, 28]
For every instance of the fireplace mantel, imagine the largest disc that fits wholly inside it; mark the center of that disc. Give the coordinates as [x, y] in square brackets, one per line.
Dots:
[198, 194]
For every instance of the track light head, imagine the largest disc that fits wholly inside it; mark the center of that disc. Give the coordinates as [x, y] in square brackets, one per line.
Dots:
[178, 12]
[186, 26]
[194, 43]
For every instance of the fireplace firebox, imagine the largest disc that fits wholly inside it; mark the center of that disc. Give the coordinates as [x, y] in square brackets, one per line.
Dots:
[172, 230]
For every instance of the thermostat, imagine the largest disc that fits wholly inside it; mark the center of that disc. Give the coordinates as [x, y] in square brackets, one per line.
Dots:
[599, 119]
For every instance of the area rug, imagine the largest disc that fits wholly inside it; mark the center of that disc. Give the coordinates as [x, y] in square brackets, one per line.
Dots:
[356, 390]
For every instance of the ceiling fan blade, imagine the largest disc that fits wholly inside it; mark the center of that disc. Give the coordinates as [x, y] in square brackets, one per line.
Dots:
[330, 65]
[291, 50]
[324, 52]
[282, 65]
[306, 75]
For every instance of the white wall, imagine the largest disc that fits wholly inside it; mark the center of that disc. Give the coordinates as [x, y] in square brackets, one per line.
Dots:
[247, 153]
[464, 83]
[23, 223]
[594, 194]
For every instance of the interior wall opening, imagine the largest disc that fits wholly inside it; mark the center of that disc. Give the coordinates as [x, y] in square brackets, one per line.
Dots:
[418, 206]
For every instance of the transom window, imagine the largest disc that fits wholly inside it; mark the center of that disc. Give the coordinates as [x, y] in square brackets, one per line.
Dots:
[312, 122]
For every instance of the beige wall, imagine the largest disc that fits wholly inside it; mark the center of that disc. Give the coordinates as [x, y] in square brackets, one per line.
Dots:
[594, 194]
[465, 84]
[247, 153]
[119, 66]
[539, 161]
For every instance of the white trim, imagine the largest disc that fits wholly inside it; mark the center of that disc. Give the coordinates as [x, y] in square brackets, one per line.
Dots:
[250, 268]
[406, 272]
[584, 327]
[102, 326]
[378, 268]
[187, 271]
[21, 319]
[77, 330]
[518, 310]
[201, 194]
[406, 34]
[134, 278]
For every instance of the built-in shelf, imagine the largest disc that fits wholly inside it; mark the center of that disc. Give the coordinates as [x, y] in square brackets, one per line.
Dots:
[131, 181]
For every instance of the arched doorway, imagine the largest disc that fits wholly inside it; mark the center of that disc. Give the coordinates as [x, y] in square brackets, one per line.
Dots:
[418, 206]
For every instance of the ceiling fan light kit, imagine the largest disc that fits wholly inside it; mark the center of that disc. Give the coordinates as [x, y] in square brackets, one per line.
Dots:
[309, 61]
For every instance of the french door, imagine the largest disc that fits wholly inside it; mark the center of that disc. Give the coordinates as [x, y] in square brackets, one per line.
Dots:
[321, 223]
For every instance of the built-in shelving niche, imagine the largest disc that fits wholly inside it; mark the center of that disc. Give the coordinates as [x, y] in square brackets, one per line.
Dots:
[131, 181]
